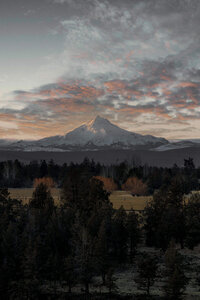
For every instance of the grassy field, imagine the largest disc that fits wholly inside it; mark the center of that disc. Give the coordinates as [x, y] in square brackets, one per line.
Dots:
[125, 199]
[25, 194]
[118, 198]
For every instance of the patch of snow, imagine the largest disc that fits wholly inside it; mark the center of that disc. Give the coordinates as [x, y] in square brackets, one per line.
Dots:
[177, 145]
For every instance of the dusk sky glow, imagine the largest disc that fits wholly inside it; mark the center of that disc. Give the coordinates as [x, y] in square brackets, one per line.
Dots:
[135, 62]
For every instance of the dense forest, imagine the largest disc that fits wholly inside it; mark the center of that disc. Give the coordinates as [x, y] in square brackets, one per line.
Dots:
[14, 174]
[75, 250]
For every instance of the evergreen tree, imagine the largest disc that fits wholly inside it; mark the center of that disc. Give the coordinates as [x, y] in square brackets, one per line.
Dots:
[86, 264]
[42, 199]
[75, 189]
[192, 212]
[165, 218]
[69, 273]
[189, 164]
[43, 169]
[147, 268]
[176, 279]
[133, 231]
[197, 278]
[98, 197]
[10, 267]
[110, 281]
[119, 235]
[103, 260]
[83, 195]
[29, 281]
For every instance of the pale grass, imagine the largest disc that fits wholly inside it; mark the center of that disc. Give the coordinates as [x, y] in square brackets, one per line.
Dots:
[118, 198]
[125, 199]
[25, 194]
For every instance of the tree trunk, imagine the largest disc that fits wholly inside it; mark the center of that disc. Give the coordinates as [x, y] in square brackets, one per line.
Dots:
[132, 250]
[110, 290]
[182, 244]
[148, 287]
[87, 288]
[103, 278]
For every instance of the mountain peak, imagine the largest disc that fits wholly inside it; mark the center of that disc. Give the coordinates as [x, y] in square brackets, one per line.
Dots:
[98, 117]
[98, 122]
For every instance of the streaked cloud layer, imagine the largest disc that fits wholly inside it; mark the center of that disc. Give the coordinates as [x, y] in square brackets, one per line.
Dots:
[134, 62]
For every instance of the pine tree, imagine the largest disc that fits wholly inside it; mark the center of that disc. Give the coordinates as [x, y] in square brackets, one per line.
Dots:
[165, 218]
[133, 232]
[176, 279]
[85, 257]
[192, 212]
[30, 273]
[119, 235]
[147, 268]
[69, 273]
[42, 199]
[110, 281]
[103, 260]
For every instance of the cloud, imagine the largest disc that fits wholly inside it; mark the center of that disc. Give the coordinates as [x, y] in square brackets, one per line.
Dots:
[29, 12]
[3, 78]
[163, 98]
[132, 61]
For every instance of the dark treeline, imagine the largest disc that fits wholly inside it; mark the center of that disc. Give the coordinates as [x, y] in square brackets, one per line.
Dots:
[17, 175]
[50, 252]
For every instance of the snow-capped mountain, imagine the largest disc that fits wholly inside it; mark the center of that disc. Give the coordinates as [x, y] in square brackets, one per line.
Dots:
[94, 135]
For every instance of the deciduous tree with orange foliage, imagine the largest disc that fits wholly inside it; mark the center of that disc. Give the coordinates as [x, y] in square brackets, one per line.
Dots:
[48, 181]
[108, 183]
[136, 186]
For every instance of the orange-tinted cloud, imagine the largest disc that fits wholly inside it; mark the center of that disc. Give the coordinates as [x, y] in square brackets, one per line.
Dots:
[48, 107]
[188, 84]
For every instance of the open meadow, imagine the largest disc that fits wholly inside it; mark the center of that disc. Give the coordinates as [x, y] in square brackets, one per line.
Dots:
[118, 198]
[25, 194]
[125, 199]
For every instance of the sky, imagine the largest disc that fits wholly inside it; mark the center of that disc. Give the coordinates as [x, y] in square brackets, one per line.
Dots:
[134, 62]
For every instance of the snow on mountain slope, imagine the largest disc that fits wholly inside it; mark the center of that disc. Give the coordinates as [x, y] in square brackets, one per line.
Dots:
[100, 132]
[177, 145]
[96, 134]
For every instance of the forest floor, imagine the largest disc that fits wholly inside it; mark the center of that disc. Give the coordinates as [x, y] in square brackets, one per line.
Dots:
[126, 288]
